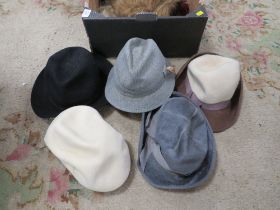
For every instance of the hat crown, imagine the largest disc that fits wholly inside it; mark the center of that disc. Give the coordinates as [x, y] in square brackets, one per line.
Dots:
[139, 68]
[73, 77]
[213, 78]
[179, 128]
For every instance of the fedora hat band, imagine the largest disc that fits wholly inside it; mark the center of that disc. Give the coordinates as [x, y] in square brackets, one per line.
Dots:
[141, 93]
[151, 147]
[198, 102]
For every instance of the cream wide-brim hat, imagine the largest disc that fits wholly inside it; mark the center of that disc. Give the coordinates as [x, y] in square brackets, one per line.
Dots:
[213, 79]
[91, 149]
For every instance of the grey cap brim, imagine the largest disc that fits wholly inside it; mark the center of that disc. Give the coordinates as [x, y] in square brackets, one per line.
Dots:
[142, 103]
[161, 178]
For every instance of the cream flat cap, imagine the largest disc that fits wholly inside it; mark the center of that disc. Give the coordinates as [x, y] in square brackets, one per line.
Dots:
[92, 150]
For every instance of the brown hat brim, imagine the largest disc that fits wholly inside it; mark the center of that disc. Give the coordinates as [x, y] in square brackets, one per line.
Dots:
[219, 120]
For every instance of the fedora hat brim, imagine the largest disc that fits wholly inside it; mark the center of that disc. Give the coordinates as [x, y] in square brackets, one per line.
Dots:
[222, 119]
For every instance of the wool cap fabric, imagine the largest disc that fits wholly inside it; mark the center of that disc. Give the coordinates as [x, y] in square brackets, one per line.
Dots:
[214, 83]
[177, 147]
[139, 80]
[73, 76]
[93, 151]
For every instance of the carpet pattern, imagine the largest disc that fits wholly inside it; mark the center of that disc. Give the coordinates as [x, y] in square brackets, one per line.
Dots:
[247, 176]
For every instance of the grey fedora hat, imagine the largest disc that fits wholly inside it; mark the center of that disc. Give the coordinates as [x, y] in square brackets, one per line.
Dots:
[139, 80]
[177, 147]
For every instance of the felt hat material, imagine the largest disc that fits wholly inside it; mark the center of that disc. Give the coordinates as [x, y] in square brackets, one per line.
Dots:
[94, 152]
[213, 78]
[177, 147]
[73, 76]
[214, 83]
[139, 80]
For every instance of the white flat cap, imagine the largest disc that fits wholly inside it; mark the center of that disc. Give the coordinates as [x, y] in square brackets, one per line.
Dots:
[92, 150]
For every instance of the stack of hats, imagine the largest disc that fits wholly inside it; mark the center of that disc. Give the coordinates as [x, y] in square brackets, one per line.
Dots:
[177, 147]
[68, 88]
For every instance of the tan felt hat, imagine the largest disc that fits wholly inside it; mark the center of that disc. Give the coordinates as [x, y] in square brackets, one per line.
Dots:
[214, 83]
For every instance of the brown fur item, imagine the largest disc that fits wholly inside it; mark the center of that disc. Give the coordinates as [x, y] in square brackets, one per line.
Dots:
[107, 11]
[129, 8]
[166, 7]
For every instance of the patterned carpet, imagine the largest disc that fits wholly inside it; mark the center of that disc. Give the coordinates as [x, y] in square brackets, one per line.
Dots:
[32, 178]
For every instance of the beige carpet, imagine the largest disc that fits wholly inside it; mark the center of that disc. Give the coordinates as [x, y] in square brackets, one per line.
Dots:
[248, 169]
